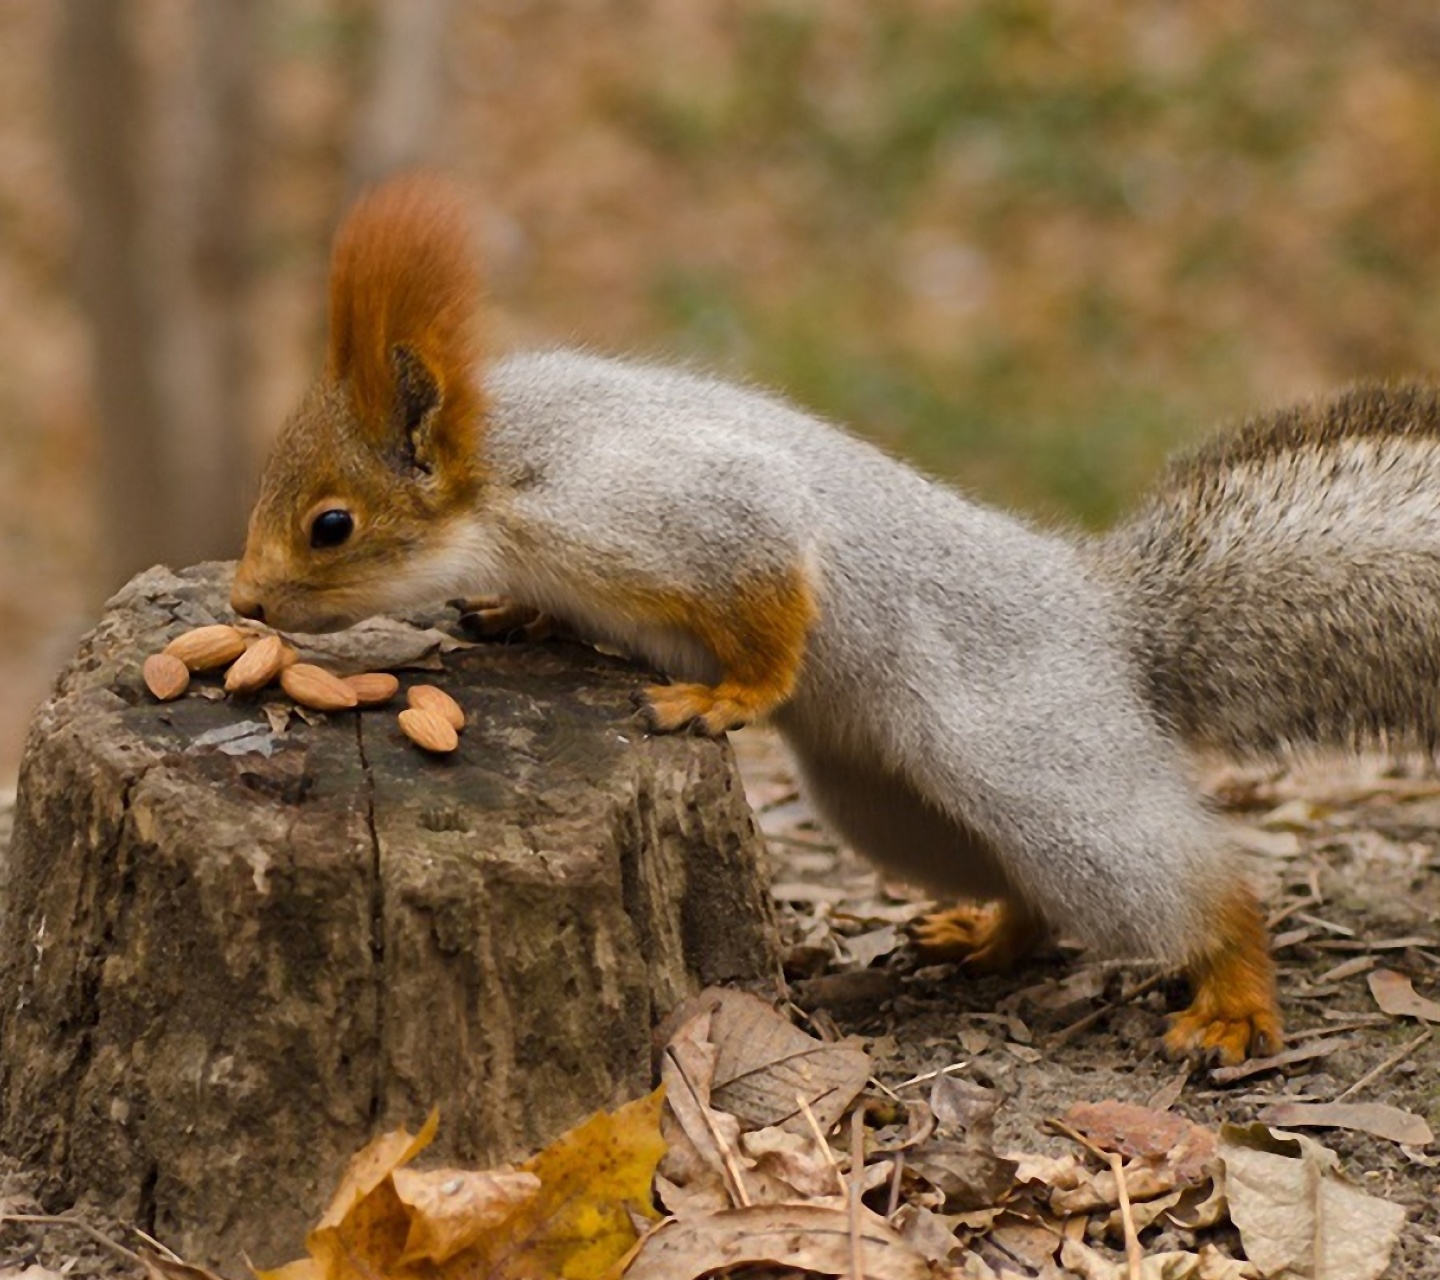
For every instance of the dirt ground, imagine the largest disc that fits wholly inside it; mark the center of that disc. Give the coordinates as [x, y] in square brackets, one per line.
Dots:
[1347, 857]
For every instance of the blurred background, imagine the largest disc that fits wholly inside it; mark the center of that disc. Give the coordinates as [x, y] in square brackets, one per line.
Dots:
[1032, 245]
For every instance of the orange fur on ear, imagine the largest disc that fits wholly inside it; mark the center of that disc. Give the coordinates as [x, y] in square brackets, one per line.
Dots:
[403, 271]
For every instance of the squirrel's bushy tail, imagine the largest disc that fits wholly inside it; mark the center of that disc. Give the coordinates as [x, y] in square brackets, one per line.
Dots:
[1283, 584]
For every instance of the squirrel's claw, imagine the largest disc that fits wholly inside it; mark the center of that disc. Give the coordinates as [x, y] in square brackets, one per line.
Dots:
[985, 936]
[1223, 1038]
[712, 711]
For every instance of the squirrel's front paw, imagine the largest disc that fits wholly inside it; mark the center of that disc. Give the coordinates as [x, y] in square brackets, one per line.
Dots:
[1225, 1035]
[496, 618]
[988, 936]
[714, 711]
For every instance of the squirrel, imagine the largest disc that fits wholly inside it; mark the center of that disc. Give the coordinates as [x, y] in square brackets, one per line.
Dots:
[993, 711]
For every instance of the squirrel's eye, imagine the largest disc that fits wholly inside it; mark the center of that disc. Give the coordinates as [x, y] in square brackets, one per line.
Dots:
[331, 528]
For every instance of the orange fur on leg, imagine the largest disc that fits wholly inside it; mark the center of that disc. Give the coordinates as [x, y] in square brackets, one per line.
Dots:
[1234, 1012]
[758, 637]
[990, 936]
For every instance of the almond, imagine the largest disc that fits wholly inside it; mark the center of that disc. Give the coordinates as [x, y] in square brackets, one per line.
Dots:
[430, 698]
[257, 666]
[166, 676]
[373, 688]
[316, 688]
[206, 648]
[428, 729]
[289, 654]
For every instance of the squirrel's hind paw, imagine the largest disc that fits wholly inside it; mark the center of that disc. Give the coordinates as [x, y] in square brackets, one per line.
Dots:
[1227, 1037]
[988, 936]
[1234, 1014]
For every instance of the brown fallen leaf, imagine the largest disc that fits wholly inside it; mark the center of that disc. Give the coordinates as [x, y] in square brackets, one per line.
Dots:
[381, 644]
[1209, 1264]
[806, 1237]
[762, 1063]
[963, 1106]
[1383, 1121]
[1132, 1130]
[1293, 1211]
[966, 1177]
[699, 1172]
[1397, 997]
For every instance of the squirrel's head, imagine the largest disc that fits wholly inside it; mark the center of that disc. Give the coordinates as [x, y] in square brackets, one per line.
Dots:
[361, 504]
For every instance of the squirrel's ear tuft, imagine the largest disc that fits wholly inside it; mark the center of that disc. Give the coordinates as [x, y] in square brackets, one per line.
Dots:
[404, 293]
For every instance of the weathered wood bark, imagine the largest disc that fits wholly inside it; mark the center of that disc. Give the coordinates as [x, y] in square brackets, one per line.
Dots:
[220, 973]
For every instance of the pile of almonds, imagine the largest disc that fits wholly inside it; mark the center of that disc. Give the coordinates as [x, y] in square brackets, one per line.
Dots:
[252, 661]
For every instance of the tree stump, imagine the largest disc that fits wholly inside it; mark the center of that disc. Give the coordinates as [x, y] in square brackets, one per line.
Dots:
[227, 963]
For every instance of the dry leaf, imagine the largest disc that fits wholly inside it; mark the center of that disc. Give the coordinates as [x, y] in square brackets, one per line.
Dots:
[927, 1232]
[1390, 1123]
[570, 1212]
[762, 1063]
[694, 1176]
[1144, 1180]
[865, 948]
[372, 1164]
[451, 1208]
[1208, 1264]
[594, 1184]
[381, 644]
[1395, 996]
[708, 1154]
[806, 1237]
[1293, 1212]
[790, 1161]
[965, 1107]
[1132, 1130]
[966, 1177]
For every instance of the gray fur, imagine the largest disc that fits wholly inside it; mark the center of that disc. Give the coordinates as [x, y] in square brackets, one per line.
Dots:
[969, 714]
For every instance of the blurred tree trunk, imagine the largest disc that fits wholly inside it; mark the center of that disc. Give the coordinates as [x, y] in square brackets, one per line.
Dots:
[161, 169]
[404, 100]
[98, 83]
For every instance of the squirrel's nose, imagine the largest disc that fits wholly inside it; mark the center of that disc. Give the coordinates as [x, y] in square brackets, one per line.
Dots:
[245, 599]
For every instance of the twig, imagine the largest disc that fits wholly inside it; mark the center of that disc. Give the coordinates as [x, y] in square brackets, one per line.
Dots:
[1064, 1035]
[932, 1075]
[857, 1168]
[1394, 1060]
[164, 1250]
[727, 1157]
[60, 1220]
[821, 1142]
[1134, 1254]
[884, 1088]
[892, 1205]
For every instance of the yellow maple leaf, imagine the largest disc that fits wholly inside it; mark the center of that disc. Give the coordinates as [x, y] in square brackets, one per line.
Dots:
[569, 1212]
[364, 1229]
[594, 1184]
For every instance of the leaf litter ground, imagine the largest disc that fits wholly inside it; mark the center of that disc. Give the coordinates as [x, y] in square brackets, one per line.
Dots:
[1022, 1125]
